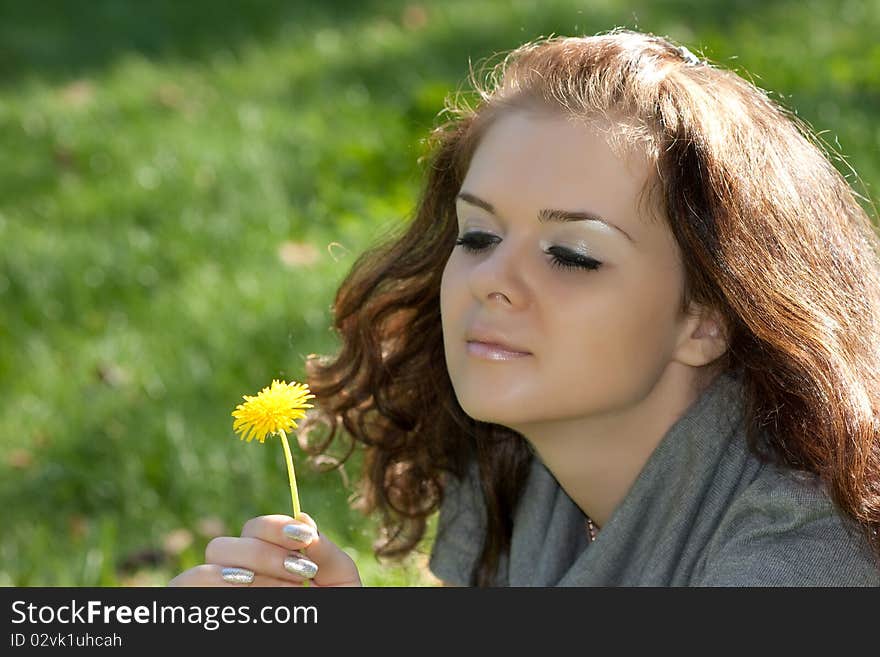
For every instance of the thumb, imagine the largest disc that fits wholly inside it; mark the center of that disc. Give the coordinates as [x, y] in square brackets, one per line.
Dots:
[335, 567]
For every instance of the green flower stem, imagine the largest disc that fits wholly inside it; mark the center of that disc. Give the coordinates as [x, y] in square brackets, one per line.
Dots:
[291, 475]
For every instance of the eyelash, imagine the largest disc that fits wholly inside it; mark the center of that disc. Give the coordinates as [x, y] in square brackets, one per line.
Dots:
[573, 261]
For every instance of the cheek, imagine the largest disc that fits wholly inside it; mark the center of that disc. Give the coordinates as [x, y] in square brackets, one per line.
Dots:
[453, 294]
[618, 342]
[446, 289]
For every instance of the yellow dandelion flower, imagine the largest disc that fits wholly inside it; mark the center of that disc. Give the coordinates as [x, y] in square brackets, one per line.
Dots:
[274, 410]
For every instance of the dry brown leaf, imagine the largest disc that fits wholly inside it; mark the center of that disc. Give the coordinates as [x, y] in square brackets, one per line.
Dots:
[297, 254]
[177, 540]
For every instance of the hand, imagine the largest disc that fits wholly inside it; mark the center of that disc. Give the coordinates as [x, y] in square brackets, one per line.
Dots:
[273, 551]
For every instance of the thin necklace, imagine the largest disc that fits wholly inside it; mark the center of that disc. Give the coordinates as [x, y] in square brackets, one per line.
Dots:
[591, 529]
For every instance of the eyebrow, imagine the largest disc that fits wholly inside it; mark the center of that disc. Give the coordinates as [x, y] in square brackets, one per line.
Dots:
[547, 215]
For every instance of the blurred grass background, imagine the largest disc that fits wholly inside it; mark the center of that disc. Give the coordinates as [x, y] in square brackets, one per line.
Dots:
[184, 184]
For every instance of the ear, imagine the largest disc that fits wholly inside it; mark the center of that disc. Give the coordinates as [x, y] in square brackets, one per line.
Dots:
[702, 338]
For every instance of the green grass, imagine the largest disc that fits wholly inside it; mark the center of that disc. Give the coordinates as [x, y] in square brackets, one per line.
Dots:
[157, 159]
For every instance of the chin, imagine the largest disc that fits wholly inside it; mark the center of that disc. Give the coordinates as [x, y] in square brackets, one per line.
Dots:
[479, 408]
[490, 411]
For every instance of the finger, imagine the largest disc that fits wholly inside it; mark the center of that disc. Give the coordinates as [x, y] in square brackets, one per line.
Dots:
[210, 575]
[339, 568]
[283, 530]
[261, 557]
[335, 567]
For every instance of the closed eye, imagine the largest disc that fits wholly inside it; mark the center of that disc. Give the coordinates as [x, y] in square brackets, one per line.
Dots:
[476, 242]
[565, 259]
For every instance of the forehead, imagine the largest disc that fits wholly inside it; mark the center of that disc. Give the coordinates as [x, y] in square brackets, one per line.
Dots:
[527, 161]
[569, 156]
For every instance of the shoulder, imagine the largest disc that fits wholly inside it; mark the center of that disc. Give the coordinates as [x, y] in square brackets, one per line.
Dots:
[783, 530]
[460, 527]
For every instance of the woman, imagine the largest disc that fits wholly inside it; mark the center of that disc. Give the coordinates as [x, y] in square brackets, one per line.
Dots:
[630, 338]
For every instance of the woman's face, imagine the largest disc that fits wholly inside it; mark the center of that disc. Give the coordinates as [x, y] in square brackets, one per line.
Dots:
[599, 326]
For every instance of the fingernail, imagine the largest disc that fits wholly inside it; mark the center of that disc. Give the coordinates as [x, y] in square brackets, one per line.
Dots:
[300, 566]
[237, 575]
[300, 532]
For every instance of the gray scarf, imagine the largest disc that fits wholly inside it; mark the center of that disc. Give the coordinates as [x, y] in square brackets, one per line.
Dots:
[703, 511]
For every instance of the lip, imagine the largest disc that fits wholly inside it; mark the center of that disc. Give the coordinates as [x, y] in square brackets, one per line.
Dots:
[491, 351]
[494, 339]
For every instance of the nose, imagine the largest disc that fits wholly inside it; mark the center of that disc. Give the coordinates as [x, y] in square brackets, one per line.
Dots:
[497, 277]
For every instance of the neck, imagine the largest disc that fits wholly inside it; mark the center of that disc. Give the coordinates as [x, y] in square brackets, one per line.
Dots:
[596, 459]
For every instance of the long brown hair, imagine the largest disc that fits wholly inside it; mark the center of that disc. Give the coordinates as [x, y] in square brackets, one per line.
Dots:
[771, 236]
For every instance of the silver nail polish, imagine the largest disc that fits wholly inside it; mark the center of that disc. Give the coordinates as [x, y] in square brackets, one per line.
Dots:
[300, 566]
[237, 575]
[301, 533]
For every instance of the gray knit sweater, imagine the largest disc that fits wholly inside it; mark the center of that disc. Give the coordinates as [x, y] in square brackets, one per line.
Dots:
[703, 511]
